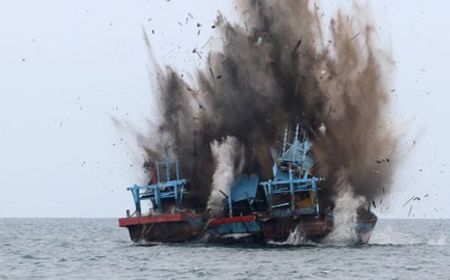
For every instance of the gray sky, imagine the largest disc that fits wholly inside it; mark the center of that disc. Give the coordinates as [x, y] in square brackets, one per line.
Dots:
[68, 67]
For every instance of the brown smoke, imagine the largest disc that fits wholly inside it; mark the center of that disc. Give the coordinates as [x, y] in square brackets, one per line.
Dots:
[278, 70]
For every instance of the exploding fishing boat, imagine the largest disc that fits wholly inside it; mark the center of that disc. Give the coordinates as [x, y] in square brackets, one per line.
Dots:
[277, 210]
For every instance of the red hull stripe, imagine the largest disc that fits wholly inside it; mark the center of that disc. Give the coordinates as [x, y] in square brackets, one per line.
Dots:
[229, 220]
[123, 222]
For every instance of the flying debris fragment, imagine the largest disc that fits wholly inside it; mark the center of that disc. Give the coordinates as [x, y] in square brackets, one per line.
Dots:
[409, 200]
[409, 212]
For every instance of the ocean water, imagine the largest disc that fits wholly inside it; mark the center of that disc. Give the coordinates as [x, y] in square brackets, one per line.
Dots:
[98, 249]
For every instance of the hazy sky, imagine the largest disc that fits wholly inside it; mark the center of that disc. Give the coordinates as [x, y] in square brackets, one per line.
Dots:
[68, 67]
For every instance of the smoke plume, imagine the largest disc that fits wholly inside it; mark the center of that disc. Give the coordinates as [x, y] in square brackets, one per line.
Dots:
[277, 68]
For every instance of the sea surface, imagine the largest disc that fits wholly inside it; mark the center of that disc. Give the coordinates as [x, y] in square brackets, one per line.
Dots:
[99, 249]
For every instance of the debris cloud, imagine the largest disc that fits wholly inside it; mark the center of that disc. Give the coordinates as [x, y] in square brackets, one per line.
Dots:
[277, 71]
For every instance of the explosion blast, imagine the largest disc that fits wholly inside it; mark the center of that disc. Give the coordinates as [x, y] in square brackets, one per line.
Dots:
[278, 71]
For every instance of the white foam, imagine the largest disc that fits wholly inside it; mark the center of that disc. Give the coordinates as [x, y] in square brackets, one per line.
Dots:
[295, 238]
[439, 241]
[235, 235]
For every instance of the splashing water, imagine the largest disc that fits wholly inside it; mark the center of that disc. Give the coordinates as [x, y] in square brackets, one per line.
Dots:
[295, 238]
[345, 217]
[399, 235]
[229, 160]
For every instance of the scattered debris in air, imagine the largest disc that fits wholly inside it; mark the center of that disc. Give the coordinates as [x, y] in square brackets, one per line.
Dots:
[294, 51]
[409, 200]
[354, 37]
[410, 208]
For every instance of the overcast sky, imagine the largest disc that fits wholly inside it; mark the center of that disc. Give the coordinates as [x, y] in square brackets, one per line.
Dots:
[68, 67]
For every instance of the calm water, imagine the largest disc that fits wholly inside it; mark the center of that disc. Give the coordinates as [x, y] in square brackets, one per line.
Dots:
[98, 249]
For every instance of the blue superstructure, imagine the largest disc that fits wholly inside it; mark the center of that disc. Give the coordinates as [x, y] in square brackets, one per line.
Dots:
[162, 187]
[292, 178]
[243, 190]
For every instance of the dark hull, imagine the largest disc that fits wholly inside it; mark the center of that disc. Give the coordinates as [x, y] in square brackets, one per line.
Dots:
[364, 226]
[307, 228]
[163, 228]
[248, 229]
[240, 229]
[289, 229]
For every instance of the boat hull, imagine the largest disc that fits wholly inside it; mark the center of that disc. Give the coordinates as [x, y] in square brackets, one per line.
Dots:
[280, 229]
[364, 226]
[249, 229]
[163, 228]
[314, 228]
[287, 230]
[233, 230]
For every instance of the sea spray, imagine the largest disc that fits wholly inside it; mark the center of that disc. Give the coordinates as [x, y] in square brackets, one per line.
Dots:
[229, 160]
[345, 217]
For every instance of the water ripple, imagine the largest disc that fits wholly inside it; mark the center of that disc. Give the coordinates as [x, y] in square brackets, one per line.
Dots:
[98, 249]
